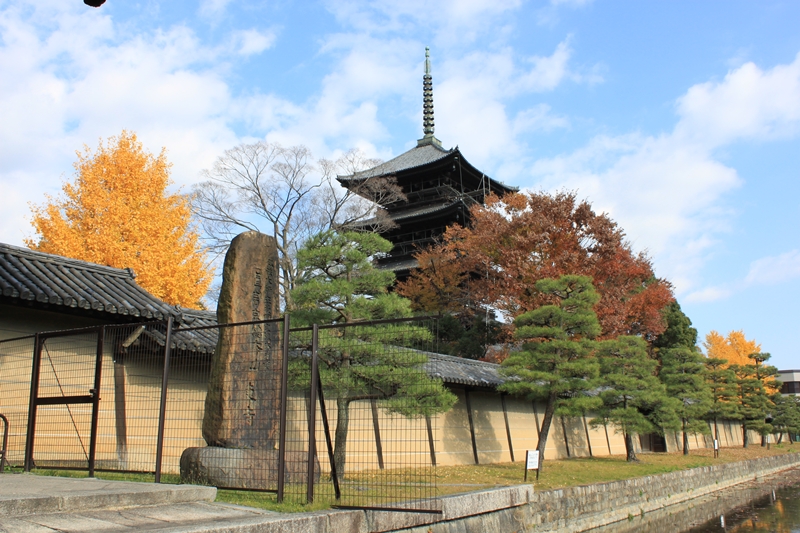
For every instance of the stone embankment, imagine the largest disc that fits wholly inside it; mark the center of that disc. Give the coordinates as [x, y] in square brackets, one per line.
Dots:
[580, 508]
[33, 503]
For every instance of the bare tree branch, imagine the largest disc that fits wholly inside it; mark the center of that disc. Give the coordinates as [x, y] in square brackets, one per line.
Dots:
[282, 192]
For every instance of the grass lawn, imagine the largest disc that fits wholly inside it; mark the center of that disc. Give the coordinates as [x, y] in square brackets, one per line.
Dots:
[455, 479]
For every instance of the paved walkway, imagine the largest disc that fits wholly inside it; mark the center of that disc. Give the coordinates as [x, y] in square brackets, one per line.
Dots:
[40, 504]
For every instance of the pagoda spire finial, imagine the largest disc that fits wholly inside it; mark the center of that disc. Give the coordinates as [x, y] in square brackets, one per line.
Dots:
[427, 104]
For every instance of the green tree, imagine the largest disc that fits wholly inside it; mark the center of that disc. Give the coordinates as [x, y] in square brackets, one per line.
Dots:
[753, 391]
[633, 398]
[683, 372]
[556, 363]
[767, 375]
[468, 336]
[340, 285]
[721, 382]
[679, 330]
[786, 417]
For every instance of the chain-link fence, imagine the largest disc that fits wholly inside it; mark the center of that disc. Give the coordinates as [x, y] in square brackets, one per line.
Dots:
[15, 389]
[342, 414]
[376, 399]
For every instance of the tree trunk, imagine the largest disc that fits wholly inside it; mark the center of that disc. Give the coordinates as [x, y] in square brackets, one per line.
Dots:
[546, 422]
[340, 444]
[744, 436]
[780, 438]
[685, 438]
[629, 451]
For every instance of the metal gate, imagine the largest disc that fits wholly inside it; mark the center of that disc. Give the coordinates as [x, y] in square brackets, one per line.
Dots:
[65, 383]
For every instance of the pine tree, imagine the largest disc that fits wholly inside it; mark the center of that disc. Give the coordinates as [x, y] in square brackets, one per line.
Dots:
[721, 381]
[556, 363]
[118, 213]
[754, 385]
[633, 398]
[787, 416]
[340, 285]
[767, 375]
[679, 330]
[683, 372]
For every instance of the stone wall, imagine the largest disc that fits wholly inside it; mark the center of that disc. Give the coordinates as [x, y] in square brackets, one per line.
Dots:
[643, 504]
[579, 508]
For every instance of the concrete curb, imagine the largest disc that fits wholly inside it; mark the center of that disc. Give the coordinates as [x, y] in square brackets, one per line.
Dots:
[25, 494]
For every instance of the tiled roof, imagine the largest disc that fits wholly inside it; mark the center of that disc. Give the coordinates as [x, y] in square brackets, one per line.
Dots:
[416, 157]
[412, 212]
[403, 264]
[423, 210]
[456, 370]
[197, 332]
[58, 281]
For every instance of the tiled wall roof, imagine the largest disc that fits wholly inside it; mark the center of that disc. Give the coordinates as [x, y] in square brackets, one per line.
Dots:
[61, 282]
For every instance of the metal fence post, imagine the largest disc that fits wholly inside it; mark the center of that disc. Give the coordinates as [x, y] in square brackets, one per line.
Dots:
[326, 428]
[284, 401]
[508, 427]
[312, 414]
[162, 414]
[29, 437]
[95, 392]
[4, 451]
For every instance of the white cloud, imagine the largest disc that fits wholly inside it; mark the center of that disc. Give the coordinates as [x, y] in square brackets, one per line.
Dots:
[668, 191]
[747, 103]
[71, 77]
[548, 72]
[570, 3]
[213, 8]
[770, 270]
[249, 42]
[661, 192]
[452, 20]
[707, 295]
[775, 269]
[538, 118]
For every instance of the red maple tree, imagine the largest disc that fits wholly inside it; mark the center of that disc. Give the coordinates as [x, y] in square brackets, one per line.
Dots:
[513, 242]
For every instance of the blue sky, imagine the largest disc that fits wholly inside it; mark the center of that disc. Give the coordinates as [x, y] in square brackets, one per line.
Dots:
[679, 119]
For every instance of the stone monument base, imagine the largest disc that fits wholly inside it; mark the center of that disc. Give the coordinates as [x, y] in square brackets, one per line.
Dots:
[242, 468]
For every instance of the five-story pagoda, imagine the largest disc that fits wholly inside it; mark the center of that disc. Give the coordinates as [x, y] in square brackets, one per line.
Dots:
[439, 186]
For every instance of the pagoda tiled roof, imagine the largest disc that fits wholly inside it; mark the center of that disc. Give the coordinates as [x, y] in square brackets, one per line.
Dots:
[417, 211]
[416, 157]
[398, 266]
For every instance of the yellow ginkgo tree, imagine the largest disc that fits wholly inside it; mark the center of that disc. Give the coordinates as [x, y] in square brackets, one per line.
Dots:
[735, 348]
[118, 212]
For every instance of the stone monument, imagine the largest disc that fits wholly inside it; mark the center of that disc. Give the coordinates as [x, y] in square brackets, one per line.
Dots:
[242, 412]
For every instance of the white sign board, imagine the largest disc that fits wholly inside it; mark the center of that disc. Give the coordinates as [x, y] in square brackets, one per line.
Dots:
[716, 444]
[532, 460]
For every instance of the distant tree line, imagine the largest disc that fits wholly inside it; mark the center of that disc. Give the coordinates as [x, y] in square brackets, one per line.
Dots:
[668, 387]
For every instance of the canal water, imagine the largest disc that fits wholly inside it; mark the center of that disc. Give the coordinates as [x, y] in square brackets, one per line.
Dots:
[778, 511]
[766, 505]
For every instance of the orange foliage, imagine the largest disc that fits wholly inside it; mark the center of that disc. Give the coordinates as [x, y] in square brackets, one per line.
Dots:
[735, 348]
[443, 281]
[515, 241]
[118, 213]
